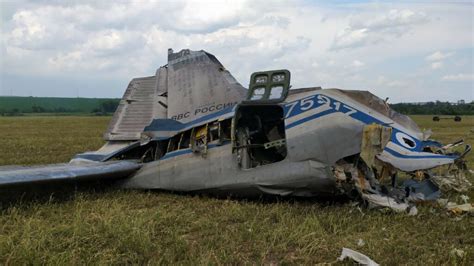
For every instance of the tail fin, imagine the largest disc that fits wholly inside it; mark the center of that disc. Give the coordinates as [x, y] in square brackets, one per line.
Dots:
[198, 85]
[191, 85]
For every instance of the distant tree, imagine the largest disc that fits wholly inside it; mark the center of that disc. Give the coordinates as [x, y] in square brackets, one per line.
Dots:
[62, 110]
[38, 109]
[434, 108]
[107, 106]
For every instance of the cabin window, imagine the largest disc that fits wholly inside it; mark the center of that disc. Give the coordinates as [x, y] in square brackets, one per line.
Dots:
[173, 144]
[225, 130]
[214, 131]
[199, 139]
[185, 140]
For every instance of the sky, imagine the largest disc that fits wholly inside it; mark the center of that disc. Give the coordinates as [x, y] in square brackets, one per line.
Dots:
[405, 50]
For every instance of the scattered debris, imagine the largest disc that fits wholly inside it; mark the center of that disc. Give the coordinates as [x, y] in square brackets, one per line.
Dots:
[457, 252]
[376, 200]
[424, 190]
[455, 208]
[457, 182]
[357, 257]
[460, 208]
[361, 242]
[413, 211]
[374, 175]
[464, 198]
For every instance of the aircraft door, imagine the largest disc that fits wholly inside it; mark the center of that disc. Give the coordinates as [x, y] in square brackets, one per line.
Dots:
[259, 135]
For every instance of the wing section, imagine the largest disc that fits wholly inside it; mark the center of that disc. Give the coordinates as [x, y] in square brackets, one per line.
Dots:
[21, 175]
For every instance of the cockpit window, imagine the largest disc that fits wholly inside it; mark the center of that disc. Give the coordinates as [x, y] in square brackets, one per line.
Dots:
[276, 92]
[258, 93]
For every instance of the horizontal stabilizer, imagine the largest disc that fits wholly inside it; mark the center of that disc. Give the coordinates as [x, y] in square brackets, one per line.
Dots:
[66, 172]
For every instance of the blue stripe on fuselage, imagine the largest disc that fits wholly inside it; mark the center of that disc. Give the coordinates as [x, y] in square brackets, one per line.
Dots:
[405, 156]
[318, 100]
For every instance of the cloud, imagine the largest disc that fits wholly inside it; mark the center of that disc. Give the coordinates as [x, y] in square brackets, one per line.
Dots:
[383, 81]
[357, 64]
[436, 65]
[438, 56]
[351, 38]
[365, 30]
[459, 77]
[344, 45]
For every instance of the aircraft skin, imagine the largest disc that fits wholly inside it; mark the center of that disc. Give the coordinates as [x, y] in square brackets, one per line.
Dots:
[322, 126]
[312, 131]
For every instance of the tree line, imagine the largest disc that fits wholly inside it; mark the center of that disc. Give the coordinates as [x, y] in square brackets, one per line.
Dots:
[434, 108]
[105, 107]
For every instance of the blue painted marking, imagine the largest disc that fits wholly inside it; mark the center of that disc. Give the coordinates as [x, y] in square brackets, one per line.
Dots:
[318, 100]
[309, 118]
[404, 156]
[176, 153]
[173, 125]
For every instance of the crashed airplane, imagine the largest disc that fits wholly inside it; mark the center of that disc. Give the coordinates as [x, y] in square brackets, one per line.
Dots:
[192, 127]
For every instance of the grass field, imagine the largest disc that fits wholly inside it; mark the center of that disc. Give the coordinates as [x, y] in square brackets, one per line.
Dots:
[161, 228]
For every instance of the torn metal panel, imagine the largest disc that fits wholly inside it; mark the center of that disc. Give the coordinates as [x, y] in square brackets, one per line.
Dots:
[378, 105]
[424, 190]
[374, 139]
[460, 208]
[358, 257]
[456, 181]
[377, 200]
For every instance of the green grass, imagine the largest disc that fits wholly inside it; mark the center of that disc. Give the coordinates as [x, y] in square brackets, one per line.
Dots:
[118, 227]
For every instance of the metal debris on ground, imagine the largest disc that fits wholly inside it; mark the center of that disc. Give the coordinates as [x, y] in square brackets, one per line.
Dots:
[464, 198]
[357, 257]
[457, 182]
[457, 252]
[373, 175]
[460, 208]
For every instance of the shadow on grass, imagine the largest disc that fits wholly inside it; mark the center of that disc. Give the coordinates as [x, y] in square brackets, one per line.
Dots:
[52, 192]
[64, 192]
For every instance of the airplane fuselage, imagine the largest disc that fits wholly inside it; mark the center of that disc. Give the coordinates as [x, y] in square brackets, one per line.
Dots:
[321, 127]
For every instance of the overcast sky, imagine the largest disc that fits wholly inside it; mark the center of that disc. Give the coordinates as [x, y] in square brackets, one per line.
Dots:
[408, 51]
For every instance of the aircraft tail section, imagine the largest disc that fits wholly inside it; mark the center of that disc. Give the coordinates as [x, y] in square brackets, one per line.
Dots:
[191, 85]
[199, 85]
[135, 111]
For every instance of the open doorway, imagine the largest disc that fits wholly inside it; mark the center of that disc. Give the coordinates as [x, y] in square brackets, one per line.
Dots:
[259, 135]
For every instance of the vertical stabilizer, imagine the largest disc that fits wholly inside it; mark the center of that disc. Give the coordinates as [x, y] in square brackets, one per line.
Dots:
[135, 111]
[193, 84]
[199, 85]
